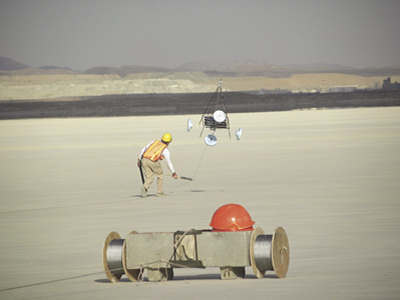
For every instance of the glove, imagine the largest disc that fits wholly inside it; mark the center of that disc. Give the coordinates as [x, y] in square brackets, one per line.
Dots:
[174, 175]
[139, 163]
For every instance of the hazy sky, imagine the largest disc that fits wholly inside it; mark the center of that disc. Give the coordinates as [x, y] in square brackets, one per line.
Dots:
[81, 34]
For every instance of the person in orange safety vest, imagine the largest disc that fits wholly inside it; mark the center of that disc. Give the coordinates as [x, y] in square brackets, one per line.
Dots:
[149, 161]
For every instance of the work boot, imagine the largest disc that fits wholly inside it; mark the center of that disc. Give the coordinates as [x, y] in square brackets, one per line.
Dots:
[161, 195]
[143, 191]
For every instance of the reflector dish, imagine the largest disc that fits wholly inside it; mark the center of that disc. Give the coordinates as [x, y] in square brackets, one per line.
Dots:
[210, 140]
[239, 133]
[189, 124]
[219, 116]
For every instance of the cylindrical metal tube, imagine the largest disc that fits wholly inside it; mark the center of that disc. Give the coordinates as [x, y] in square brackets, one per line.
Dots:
[262, 252]
[114, 257]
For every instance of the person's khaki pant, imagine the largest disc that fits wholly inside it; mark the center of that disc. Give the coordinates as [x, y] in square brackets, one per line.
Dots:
[149, 168]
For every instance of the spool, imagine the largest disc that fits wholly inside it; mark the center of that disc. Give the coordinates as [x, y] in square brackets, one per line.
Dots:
[112, 256]
[269, 252]
[262, 252]
[132, 274]
[280, 252]
[259, 273]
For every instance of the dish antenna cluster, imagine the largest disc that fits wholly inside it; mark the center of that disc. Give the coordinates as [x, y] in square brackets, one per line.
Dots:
[215, 117]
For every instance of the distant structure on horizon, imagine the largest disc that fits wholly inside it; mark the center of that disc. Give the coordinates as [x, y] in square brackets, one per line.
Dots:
[343, 89]
[387, 85]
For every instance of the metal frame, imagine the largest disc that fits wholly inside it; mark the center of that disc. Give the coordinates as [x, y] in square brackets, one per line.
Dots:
[216, 102]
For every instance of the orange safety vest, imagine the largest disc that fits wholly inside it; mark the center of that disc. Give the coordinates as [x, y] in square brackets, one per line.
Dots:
[154, 151]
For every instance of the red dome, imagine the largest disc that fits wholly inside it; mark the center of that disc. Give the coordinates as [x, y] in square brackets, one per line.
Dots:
[231, 217]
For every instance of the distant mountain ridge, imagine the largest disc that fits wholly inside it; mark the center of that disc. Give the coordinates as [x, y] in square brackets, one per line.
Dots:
[320, 66]
[126, 70]
[222, 65]
[7, 64]
[236, 68]
[54, 68]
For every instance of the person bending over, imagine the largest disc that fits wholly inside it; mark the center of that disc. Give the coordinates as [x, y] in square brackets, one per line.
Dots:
[150, 162]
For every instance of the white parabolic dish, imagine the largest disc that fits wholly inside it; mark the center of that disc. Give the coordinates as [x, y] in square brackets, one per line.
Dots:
[210, 140]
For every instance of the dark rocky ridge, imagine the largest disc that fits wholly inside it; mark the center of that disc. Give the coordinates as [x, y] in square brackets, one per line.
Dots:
[240, 68]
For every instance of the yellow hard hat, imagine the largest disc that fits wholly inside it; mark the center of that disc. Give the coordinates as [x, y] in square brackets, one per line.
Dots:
[167, 138]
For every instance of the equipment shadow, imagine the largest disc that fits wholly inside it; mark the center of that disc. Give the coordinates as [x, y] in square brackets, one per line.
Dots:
[193, 278]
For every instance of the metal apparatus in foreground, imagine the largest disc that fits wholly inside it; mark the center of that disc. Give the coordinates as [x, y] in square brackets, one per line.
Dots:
[160, 252]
